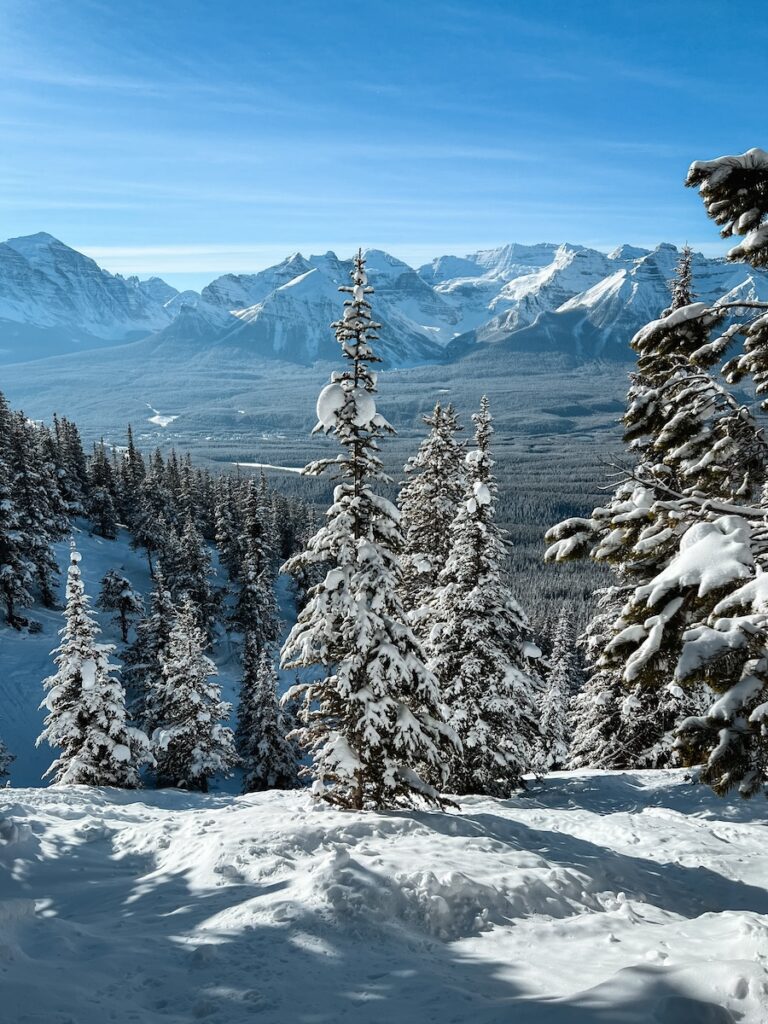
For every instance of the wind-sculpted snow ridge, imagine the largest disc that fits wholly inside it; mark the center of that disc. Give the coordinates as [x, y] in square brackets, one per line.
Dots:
[594, 897]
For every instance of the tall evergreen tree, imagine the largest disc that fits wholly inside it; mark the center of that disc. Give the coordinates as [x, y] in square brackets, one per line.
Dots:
[479, 643]
[698, 619]
[190, 741]
[15, 565]
[694, 444]
[35, 494]
[85, 700]
[132, 474]
[255, 609]
[71, 465]
[428, 502]
[270, 760]
[371, 720]
[6, 760]
[101, 493]
[171, 476]
[149, 523]
[204, 499]
[599, 737]
[118, 596]
[227, 536]
[144, 658]
[188, 569]
[286, 521]
[559, 687]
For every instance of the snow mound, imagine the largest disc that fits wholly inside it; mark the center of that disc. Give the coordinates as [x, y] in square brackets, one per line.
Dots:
[446, 906]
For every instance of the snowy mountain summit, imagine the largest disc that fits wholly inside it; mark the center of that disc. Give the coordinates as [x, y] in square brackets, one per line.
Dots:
[543, 297]
[54, 299]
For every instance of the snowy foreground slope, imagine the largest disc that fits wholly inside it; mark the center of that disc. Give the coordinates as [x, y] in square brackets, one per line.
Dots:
[596, 897]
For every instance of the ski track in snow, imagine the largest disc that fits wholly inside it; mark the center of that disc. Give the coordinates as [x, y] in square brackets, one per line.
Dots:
[595, 897]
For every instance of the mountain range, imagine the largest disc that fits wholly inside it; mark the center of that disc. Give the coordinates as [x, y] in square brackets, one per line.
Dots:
[524, 298]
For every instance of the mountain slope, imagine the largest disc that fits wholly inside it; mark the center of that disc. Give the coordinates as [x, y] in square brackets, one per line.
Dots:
[291, 307]
[53, 299]
[542, 298]
[599, 321]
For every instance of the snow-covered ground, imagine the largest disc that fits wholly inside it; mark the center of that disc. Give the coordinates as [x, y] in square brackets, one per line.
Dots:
[595, 897]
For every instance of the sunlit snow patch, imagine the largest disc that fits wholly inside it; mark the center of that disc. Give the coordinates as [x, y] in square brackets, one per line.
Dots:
[158, 419]
[267, 465]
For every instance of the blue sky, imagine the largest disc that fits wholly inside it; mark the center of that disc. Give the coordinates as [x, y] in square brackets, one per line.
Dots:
[189, 138]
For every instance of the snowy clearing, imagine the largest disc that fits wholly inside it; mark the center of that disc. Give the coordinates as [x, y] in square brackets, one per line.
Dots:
[159, 419]
[596, 897]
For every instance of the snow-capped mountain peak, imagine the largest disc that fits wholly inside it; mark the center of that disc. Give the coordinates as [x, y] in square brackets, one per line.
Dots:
[546, 296]
[52, 296]
[627, 253]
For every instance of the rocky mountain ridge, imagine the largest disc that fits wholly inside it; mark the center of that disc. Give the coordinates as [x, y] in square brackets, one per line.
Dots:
[544, 297]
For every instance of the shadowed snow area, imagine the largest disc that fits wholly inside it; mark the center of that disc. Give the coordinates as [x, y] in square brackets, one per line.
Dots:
[595, 897]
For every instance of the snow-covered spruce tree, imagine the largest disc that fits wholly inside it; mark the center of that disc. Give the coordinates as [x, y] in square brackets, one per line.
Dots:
[203, 500]
[371, 721]
[190, 742]
[132, 474]
[72, 470]
[559, 686]
[601, 737]
[255, 609]
[693, 443]
[256, 534]
[288, 524]
[118, 596]
[36, 496]
[428, 502]
[192, 575]
[85, 700]
[15, 565]
[149, 523]
[479, 647]
[308, 574]
[226, 533]
[716, 580]
[6, 760]
[101, 493]
[270, 760]
[143, 671]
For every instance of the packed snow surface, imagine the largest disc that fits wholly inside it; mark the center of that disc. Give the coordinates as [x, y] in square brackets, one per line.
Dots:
[595, 897]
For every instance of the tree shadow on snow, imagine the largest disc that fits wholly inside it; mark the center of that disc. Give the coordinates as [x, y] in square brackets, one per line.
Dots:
[679, 889]
[609, 792]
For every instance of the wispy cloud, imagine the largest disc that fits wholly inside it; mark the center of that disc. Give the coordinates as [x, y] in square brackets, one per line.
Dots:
[72, 79]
